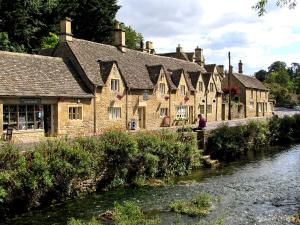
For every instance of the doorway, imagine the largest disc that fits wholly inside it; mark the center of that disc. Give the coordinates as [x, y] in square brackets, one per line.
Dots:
[142, 117]
[47, 120]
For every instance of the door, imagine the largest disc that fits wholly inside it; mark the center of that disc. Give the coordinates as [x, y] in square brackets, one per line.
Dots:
[47, 120]
[142, 117]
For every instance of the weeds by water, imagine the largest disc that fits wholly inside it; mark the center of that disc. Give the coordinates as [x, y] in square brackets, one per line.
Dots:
[198, 206]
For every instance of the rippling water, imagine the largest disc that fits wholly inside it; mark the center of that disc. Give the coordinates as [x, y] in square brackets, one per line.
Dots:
[260, 189]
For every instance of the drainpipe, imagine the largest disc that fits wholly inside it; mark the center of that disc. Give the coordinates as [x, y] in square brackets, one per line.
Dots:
[206, 106]
[126, 117]
[217, 108]
[170, 106]
[195, 106]
[95, 109]
[229, 86]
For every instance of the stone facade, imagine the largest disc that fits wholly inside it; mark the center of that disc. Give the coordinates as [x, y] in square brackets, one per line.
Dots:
[1, 117]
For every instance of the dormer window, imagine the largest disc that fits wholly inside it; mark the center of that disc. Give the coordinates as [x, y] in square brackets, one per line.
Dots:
[182, 90]
[115, 85]
[162, 89]
[211, 87]
[200, 86]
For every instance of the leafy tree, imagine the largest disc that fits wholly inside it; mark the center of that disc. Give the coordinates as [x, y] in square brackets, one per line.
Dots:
[51, 41]
[6, 45]
[261, 75]
[277, 66]
[133, 38]
[261, 5]
[294, 70]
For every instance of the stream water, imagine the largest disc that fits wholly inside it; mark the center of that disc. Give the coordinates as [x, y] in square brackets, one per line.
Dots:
[262, 188]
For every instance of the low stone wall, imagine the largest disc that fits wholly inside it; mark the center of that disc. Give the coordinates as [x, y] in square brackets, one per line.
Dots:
[28, 136]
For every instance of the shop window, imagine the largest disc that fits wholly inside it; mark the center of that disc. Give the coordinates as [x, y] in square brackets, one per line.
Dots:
[115, 84]
[75, 113]
[162, 89]
[181, 112]
[163, 112]
[209, 109]
[23, 117]
[114, 113]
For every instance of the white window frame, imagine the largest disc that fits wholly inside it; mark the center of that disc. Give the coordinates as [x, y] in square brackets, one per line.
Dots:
[162, 89]
[182, 90]
[200, 86]
[164, 112]
[211, 87]
[207, 109]
[181, 112]
[115, 85]
[202, 109]
[114, 113]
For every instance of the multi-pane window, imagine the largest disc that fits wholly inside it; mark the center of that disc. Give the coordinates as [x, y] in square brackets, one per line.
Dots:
[200, 86]
[114, 113]
[75, 113]
[163, 112]
[252, 105]
[202, 109]
[23, 117]
[211, 87]
[182, 90]
[181, 112]
[209, 109]
[252, 94]
[162, 88]
[115, 84]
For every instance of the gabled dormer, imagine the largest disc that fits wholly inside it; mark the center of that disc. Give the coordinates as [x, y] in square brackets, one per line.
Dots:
[182, 82]
[215, 76]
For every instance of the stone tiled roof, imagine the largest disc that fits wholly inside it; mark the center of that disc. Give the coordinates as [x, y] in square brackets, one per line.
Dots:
[250, 82]
[206, 78]
[210, 67]
[176, 75]
[32, 76]
[194, 76]
[154, 72]
[106, 68]
[132, 64]
[187, 56]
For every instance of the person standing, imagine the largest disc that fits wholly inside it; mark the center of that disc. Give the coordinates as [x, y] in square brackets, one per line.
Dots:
[201, 123]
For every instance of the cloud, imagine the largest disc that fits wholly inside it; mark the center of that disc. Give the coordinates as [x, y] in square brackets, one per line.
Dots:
[218, 26]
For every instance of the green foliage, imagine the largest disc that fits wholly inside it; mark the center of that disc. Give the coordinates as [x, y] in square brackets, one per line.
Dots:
[93, 221]
[6, 45]
[199, 206]
[28, 22]
[261, 5]
[50, 41]
[133, 38]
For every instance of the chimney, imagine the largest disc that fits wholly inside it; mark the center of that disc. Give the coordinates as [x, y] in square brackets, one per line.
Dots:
[66, 30]
[240, 67]
[149, 45]
[119, 37]
[221, 69]
[199, 57]
[179, 48]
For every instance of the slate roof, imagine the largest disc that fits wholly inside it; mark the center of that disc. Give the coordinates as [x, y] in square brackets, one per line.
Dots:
[206, 79]
[250, 82]
[106, 68]
[210, 67]
[132, 64]
[176, 75]
[38, 76]
[187, 56]
[194, 76]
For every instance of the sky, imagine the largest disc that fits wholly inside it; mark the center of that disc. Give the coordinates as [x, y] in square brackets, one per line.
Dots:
[218, 26]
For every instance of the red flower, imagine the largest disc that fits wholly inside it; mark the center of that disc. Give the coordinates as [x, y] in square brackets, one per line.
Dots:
[119, 96]
[167, 98]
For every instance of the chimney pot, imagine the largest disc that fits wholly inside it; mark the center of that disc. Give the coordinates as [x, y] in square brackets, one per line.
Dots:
[179, 48]
[119, 37]
[240, 67]
[66, 30]
[149, 45]
[199, 57]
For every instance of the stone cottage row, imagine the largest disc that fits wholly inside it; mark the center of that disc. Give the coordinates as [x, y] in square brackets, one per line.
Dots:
[83, 88]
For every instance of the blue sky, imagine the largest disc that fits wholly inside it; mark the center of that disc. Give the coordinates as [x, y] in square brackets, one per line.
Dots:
[218, 26]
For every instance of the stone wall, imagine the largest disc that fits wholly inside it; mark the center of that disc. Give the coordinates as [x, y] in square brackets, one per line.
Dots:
[1, 118]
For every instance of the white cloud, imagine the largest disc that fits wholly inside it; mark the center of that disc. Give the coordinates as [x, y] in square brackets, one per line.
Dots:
[218, 26]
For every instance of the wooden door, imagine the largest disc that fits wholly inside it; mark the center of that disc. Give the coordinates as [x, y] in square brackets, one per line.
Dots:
[142, 117]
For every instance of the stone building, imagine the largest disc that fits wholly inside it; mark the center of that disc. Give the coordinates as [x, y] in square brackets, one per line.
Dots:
[252, 95]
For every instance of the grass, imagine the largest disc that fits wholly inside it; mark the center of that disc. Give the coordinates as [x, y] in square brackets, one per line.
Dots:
[199, 206]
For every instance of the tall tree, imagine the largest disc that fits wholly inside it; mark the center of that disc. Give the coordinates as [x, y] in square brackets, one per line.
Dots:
[261, 5]
[261, 75]
[133, 38]
[277, 66]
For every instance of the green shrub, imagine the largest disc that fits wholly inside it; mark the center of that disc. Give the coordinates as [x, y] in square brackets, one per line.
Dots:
[93, 221]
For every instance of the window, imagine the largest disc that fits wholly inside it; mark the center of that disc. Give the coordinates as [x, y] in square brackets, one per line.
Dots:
[252, 105]
[114, 113]
[75, 113]
[252, 94]
[209, 109]
[115, 84]
[182, 90]
[202, 109]
[259, 107]
[23, 117]
[211, 87]
[163, 112]
[260, 94]
[266, 107]
[200, 86]
[162, 89]
[181, 112]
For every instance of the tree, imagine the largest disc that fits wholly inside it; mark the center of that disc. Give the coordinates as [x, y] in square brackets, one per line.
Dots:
[6, 45]
[261, 5]
[133, 38]
[51, 41]
[27, 22]
[261, 75]
[294, 70]
[277, 66]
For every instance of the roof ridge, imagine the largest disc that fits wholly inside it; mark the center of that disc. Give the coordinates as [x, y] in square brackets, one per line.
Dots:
[30, 55]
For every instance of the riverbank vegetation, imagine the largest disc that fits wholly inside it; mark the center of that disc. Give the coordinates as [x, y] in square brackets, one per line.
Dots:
[65, 168]
[229, 142]
[198, 206]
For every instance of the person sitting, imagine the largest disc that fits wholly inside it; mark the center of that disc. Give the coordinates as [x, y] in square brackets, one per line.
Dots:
[201, 123]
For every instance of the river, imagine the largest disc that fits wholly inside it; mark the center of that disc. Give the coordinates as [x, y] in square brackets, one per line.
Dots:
[262, 188]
